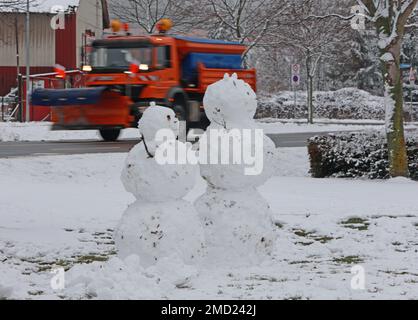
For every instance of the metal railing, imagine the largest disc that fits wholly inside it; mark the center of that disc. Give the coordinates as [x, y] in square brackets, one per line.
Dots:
[9, 106]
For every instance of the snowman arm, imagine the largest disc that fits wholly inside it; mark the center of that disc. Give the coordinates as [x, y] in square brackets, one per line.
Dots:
[146, 148]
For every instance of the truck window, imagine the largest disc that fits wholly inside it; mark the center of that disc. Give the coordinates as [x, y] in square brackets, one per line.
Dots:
[163, 57]
[120, 57]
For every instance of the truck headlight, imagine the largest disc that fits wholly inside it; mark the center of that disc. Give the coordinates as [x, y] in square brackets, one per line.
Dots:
[143, 67]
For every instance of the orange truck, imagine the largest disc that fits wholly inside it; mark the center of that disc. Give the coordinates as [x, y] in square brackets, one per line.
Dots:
[127, 73]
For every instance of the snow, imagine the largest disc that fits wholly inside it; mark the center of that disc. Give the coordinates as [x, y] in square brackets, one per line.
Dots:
[343, 104]
[155, 231]
[44, 6]
[48, 5]
[41, 131]
[154, 119]
[142, 176]
[35, 228]
[238, 223]
[160, 224]
[229, 102]
[387, 57]
[282, 235]
[280, 126]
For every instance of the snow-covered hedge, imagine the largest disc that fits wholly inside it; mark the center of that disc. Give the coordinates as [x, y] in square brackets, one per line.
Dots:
[356, 155]
[348, 103]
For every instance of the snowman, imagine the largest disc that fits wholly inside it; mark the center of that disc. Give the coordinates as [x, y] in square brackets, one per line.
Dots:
[238, 222]
[160, 224]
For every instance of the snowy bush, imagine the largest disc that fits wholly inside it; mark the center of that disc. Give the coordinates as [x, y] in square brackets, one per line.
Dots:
[356, 155]
[348, 103]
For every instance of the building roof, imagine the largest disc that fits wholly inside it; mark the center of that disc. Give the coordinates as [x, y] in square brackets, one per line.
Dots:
[53, 5]
[41, 6]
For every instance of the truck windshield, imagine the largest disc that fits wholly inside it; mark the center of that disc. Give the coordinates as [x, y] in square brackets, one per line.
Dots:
[120, 57]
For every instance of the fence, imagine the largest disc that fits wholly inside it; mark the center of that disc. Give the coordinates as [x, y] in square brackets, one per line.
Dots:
[13, 106]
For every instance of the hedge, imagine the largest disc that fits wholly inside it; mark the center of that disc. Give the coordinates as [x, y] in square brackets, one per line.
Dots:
[357, 155]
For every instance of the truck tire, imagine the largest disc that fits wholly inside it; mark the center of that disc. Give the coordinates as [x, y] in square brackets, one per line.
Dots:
[180, 107]
[110, 135]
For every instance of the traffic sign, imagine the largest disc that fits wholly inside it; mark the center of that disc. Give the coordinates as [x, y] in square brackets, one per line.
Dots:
[295, 74]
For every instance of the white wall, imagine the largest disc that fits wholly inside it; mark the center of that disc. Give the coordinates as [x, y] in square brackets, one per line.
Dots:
[89, 17]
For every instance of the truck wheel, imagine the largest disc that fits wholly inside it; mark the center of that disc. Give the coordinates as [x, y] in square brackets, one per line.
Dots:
[110, 135]
[203, 124]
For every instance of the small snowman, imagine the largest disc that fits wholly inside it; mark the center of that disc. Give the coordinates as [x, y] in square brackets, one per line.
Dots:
[160, 224]
[238, 222]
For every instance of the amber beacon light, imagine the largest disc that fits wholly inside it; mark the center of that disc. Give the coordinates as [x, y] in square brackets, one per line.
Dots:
[164, 25]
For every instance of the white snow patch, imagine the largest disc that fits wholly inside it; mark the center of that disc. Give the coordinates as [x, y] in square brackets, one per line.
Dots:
[41, 131]
[93, 198]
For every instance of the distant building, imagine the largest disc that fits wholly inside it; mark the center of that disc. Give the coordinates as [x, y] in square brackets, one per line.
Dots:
[84, 21]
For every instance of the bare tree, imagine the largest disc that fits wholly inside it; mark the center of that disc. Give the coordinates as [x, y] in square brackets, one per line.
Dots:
[244, 21]
[14, 5]
[311, 39]
[146, 13]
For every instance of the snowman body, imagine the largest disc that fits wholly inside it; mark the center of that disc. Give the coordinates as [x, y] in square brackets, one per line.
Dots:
[160, 223]
[238, 222]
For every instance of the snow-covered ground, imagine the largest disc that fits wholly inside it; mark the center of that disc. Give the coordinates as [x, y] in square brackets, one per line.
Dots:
[61, 211]
[40, 131]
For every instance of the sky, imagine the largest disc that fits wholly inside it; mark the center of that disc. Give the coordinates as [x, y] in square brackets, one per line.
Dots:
[46, 5]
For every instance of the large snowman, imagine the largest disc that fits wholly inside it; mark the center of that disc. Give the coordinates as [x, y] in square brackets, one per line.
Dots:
[160, 224]
[238, 223]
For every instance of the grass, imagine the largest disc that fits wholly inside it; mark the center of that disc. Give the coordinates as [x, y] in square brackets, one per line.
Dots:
[356, 223]
[36, 293]
[279, 225]
[303, 233]
[312, 236]
[348, 260]
[299, 262]
[67, 264]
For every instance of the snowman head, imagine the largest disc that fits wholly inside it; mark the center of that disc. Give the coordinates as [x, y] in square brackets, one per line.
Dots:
[156, 118]
[230, 102]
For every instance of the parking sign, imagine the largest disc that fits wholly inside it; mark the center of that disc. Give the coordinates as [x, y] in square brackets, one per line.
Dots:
[295, 74]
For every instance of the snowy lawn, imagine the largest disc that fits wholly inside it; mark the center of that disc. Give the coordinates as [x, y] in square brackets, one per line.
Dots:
[61, 211]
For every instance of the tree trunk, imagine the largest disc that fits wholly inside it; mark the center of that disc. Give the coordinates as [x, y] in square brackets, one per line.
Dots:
[398, 159]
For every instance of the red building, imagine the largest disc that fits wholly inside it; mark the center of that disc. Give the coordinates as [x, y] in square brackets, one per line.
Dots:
[55, 38]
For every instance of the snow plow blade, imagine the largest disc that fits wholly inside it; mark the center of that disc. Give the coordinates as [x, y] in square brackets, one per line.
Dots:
[67, 97]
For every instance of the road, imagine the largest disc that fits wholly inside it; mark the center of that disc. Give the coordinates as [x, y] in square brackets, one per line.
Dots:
[26, 149]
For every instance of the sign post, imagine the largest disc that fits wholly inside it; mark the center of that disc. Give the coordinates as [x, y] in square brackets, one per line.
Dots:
[295, 80]
[27, 44]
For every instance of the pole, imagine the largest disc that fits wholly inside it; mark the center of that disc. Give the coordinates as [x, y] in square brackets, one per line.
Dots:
[17, 50]
[295, 97]
[27, 115]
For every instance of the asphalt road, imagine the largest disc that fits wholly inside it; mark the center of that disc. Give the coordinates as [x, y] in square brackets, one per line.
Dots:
[26, 149]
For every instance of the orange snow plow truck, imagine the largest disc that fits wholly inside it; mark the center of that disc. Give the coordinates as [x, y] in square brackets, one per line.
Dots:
[127, 73]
